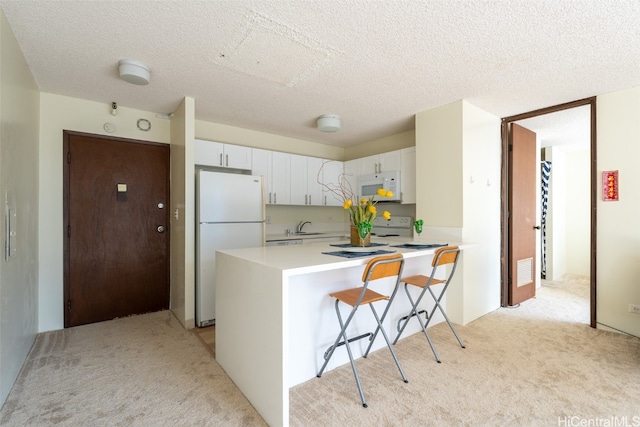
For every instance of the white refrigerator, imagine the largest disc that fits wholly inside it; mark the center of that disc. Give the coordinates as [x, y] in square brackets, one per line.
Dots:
[230, 214]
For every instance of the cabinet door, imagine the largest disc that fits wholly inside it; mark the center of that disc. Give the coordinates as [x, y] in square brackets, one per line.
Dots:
[368, 165]
[208, 153]
[237, 157]
[298, 179]
[333, 177]
[314, 188]
[385, 162]
[391, 161]
[408, 177]
[351, 172]
[280, 178]
[261, 165]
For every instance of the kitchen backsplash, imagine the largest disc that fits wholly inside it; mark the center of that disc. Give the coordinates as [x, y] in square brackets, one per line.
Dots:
[323, 218]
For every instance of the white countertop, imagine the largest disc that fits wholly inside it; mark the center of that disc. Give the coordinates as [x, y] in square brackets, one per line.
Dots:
[308, 258]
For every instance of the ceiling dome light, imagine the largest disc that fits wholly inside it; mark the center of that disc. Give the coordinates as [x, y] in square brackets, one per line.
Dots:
[133, 71]
[329, 123]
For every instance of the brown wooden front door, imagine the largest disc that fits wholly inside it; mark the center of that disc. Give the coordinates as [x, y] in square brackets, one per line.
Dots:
[522, 214]
[116, 195]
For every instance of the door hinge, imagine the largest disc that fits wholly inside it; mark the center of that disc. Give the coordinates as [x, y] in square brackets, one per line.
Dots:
[68, 156]
[510, 147]
[69, 305]
[68, 231]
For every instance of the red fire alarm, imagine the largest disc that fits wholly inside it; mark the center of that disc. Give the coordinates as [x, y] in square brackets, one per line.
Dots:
[610, 186]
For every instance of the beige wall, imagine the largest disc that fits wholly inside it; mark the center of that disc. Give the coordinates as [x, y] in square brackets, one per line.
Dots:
[251, 138]
[557, 215]
[58, 113]
[382, 145]
[182, 204]
[19, 116]
[578, 219]
[458, 197]
[569, 217]
[439, 149]
[481, 179]
[618, 266]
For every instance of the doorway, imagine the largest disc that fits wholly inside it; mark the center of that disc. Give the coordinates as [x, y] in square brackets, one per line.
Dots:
[506, 192]
[116, 243]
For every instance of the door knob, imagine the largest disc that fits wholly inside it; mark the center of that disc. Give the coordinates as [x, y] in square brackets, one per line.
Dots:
[160, 229]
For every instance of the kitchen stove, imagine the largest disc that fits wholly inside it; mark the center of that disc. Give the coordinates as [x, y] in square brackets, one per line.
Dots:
[396, 226]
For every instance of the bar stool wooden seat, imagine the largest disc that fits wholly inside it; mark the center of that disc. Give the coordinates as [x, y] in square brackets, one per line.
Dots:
[444, 256]
[377, 268]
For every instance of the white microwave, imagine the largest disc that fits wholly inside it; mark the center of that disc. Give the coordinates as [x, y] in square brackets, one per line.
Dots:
[368, 186]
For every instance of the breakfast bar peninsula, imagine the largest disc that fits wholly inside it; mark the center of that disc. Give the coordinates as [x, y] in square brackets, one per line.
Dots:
[275, 318]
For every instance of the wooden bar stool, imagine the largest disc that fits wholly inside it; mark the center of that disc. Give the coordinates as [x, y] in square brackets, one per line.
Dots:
[442, 257]
[377, 268]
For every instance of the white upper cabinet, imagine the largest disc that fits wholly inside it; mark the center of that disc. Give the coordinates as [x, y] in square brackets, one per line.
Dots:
[261, 165]
[298, 179]
[281, 178]
[333, 178]
[308, 174]
[314, 181]
[305, 188]
[351, 172]
[385, 162]
[275, 168]
[211, 153]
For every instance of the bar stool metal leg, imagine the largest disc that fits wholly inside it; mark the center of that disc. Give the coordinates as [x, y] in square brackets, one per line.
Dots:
[442, 256]
[377, 268]
[414, 311]
[384, 315]
[386, 338]
[444, 314]
[343, 334]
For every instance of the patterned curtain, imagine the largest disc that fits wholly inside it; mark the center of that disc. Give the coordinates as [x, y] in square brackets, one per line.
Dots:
[546, 173]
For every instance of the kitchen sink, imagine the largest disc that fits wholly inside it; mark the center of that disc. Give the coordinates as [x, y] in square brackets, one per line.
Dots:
[305, 233]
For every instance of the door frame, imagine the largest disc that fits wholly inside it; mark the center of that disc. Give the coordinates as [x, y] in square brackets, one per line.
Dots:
[66, 135]
[504, 197]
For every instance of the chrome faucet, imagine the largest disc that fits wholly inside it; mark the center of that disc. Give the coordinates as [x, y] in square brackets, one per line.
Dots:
[300, 225]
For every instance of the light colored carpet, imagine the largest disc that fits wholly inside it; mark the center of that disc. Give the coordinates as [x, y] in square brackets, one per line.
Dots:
[537, 365]
[137, 371]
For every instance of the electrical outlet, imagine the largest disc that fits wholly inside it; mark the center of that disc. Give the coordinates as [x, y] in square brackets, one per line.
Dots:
[268, 219]
[633, 308]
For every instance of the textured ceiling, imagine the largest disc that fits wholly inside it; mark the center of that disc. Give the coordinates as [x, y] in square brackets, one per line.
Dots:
[275, 66]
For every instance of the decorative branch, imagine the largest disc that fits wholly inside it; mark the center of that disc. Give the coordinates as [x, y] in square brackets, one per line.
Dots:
[340, 191]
